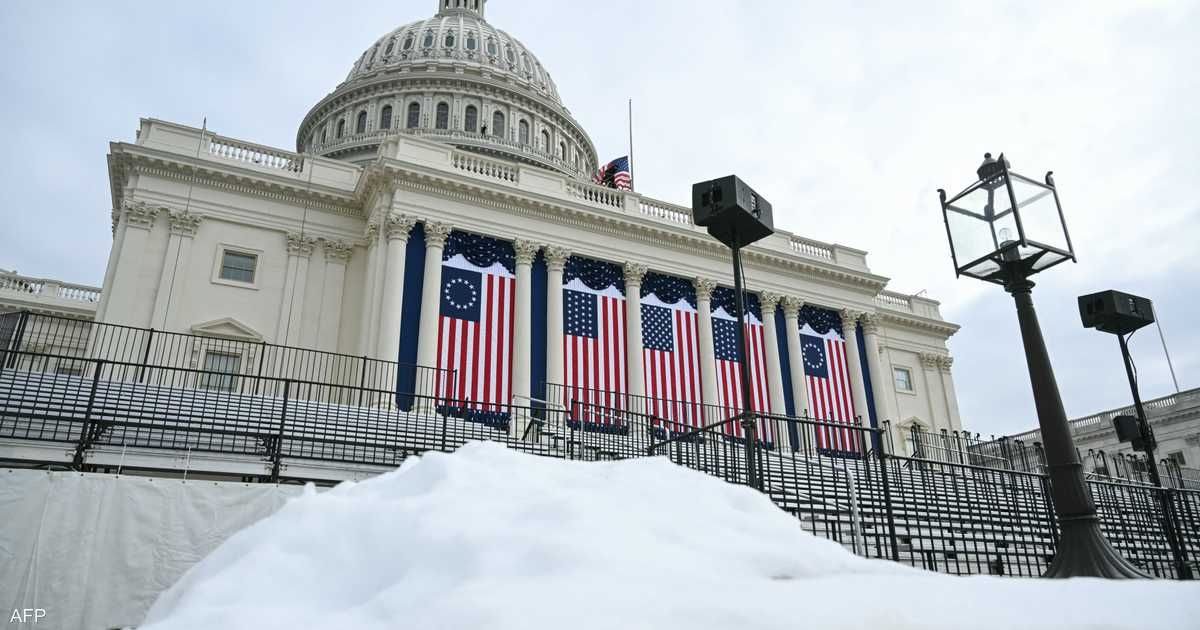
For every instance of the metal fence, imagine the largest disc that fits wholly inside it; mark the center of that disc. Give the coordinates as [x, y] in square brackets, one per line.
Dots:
[945, 508]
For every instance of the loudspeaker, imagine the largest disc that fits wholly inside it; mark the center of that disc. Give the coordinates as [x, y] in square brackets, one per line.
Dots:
[1115, 312]
[733, 213]
[1128, 430]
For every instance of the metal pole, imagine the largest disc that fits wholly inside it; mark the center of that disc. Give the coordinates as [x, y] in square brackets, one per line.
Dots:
[747, 412]
[1182, 569]
[1083, 551]
[1167, 353]
[277, 458]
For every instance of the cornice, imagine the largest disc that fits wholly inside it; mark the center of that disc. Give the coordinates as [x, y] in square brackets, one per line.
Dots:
[918, 323]
[126, 159]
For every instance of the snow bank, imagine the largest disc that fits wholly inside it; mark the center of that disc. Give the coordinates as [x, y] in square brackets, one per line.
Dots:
[488, 538]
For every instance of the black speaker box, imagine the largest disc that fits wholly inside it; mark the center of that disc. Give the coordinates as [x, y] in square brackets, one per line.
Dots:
[733, 213]
[1115, 312]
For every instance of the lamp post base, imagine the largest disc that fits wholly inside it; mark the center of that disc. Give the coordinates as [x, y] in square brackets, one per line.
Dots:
[1084, 552]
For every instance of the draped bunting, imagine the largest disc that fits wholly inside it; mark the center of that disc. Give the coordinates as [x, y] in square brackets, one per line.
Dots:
[596, 275]
[481, 251]
[594, 337]
[729, 370]
[827, 380]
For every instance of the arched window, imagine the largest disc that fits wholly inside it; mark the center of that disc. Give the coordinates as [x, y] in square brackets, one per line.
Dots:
[390, 47]
[443, 116]
[408, 43]
[523, 131]
[324, 134]
[498, 124]
[414, 116]
[341, 128]
[360, 125]
[510, 55]
[491, 47]
[428, 41]
[471, 119]
[562, 150]
[449, 40]
[471, 43]
[385, 117]
[545, 141]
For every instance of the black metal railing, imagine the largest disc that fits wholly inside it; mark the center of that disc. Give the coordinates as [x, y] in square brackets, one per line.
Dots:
[844, 482]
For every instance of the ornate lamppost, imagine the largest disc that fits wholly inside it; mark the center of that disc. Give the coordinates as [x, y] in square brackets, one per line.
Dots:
[1004, 228]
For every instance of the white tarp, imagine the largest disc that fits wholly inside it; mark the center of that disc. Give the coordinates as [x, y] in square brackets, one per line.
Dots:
[94, 551]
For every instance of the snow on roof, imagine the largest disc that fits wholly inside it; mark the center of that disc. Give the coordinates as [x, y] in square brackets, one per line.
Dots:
[489, 538]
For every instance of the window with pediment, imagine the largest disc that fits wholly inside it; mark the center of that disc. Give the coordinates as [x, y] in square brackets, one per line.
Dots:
[498, 124]
[471, 119]
[385, 117]
[443, 116]
[414, 116]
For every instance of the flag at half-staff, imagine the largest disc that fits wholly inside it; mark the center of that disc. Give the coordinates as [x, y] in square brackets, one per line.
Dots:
[615, 174]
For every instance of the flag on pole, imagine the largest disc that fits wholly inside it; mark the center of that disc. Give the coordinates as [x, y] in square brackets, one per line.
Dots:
[827, 379]
[615, 174]
[475, 332]
[670, 352]
[594, 343]
[729, 370]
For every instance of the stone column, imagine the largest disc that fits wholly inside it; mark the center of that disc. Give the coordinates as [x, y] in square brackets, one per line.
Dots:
[791, 316]
[556, 261]
[431, 293]
[930, 364]
[523, 329]
[381, 261]
[124, 303]
[708, 354]
[179, 249]
[337, 254]
[858, 387]
[945, 363]
[300, 249]
[522, 389]
[881, 382]
[396, 230]
[769, 302]
[635, 372]
[368, 300]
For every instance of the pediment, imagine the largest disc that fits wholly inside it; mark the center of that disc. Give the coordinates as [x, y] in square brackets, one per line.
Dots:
[227, 328]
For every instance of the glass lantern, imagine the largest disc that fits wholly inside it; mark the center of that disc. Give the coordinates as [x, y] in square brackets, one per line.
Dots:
[1004, 220]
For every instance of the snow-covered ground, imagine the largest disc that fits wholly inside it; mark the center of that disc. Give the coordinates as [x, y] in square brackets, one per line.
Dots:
[489, 538]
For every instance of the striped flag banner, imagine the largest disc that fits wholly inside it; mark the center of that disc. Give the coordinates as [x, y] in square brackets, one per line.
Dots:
[729, 371]
[827, 378]
[594, 348]
[475, 333]
[671, 363]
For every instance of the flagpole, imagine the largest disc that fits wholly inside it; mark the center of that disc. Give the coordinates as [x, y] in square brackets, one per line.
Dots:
[631, 180]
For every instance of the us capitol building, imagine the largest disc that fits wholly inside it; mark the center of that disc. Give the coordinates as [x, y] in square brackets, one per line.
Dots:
[446, 152]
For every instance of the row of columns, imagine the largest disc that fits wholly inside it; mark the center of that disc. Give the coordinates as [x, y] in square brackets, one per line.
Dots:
[386, 246]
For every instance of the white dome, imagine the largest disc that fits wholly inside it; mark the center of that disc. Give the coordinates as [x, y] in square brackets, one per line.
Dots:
[452, 77]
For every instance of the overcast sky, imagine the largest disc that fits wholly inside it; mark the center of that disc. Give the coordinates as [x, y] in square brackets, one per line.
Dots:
[847, 116]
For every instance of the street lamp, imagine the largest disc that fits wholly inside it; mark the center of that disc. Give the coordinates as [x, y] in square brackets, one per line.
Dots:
[1003, 229]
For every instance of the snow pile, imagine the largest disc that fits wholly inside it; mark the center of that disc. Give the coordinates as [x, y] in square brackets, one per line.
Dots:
[488, 538]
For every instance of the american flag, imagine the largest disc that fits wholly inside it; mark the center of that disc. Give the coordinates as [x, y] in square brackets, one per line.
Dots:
[475, 332]
[670, 358]
[615, 174]
[827, 378]
[594, 342]
[729, 371]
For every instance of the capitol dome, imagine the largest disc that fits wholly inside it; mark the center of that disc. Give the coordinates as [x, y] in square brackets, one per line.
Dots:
[453, 78]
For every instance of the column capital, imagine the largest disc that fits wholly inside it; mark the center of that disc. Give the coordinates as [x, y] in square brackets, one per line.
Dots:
[704, 288]
[337, 251]
[769, 301]
[436, 233]
[139, 214]
[930, 360]
[526, 251]
[398, 226]
[945, 362]
[371, 234]
[849, 320]
[792, 306]
[634, 272]
[184, 223]
[300, 245]
[870, 323]
[556, 257]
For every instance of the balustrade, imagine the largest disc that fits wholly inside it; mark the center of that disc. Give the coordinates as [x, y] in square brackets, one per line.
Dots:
[255, 154]
[812, 249]
[660, 210]
[484, 167]
[597, 195]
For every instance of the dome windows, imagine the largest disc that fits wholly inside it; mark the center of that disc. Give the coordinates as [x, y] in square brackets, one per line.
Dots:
[385, 117]
[471, 119]
[491, 46]
[562, 150]
[390, 47]
[523, 132]
[409, 41]
[545, 147]
[510, 56]
[472, 43]
[450, 41]
[428, 42]
[443, 116]
[498, 124]
[414, 116]
[341, 129]
[324, 134]
[360, 125]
